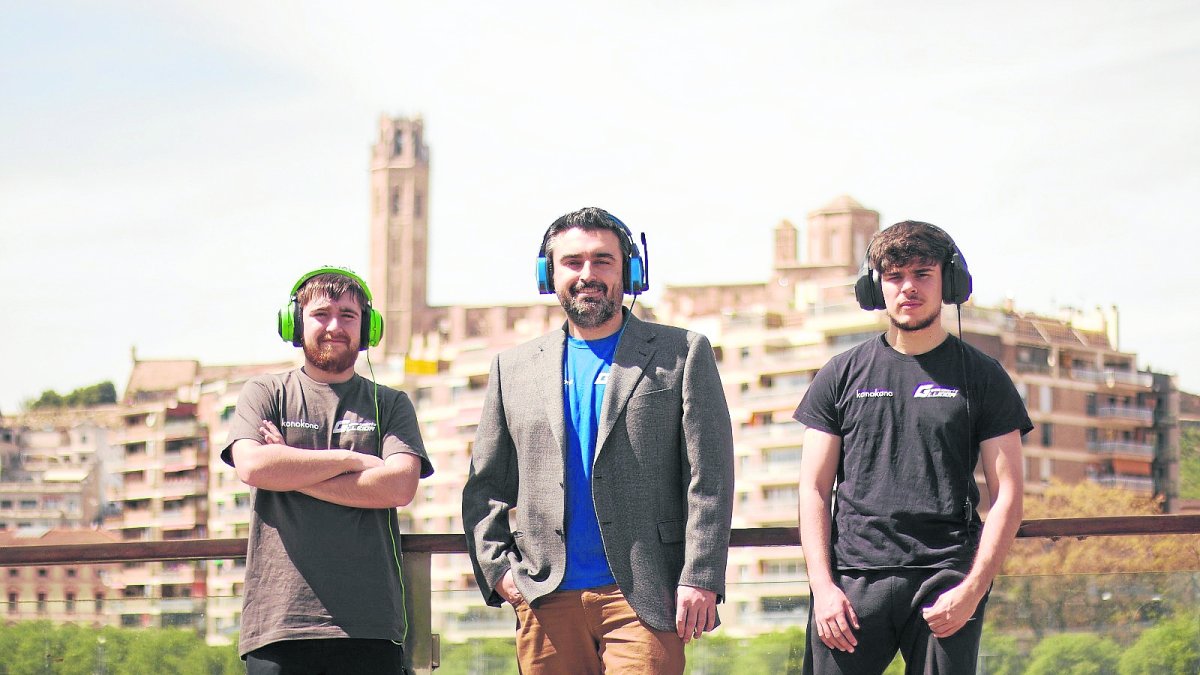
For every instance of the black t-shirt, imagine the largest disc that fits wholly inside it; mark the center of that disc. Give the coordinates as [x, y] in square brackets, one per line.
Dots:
[908, 460]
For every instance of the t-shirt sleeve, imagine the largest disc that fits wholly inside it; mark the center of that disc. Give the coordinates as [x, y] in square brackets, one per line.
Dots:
[818, 409]
[1003, 410]
[256, 403]
[401, 433]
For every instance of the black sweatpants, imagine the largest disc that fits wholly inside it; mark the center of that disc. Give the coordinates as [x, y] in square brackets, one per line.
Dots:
[334, 656]
[888, 604]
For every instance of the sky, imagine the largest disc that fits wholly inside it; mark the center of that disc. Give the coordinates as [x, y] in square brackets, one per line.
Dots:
[167, 170]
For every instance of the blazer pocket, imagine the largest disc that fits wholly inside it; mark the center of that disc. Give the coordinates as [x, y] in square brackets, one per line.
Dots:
[652, 392]
[670, 531]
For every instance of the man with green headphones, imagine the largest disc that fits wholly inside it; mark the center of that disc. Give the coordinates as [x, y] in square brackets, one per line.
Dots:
[330, 455]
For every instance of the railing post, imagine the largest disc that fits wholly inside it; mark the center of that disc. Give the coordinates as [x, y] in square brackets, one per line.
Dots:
[418, 606]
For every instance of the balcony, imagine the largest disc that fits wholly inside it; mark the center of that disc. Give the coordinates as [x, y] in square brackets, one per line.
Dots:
[776, 431]
[764, 617]
[1127, 448]
[1127, 412]
[1112, 377]
[1140, 484]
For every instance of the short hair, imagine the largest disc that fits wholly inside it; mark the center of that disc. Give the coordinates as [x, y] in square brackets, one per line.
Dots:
[333, 286]
[907, 242]
[588, 219]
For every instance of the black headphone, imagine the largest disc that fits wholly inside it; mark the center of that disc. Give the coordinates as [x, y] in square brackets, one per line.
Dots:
[956, 278]
[635, 274]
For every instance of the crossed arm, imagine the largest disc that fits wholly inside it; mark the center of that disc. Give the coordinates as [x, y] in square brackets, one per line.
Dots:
[334, 475]
[833, 615]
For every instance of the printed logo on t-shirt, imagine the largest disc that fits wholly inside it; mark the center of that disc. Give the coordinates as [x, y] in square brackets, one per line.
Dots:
[601, 379]
[300, 424]
[873, 393]
[346, 425]
[933, 390]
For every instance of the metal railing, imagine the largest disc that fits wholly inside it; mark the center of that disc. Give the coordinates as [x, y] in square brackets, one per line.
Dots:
[419, 550]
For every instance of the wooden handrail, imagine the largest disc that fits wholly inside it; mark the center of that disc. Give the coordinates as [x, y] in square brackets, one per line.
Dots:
[215, 549]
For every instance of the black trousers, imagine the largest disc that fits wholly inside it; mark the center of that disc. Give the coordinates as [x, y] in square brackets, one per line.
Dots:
[888, 605]
[335, 656]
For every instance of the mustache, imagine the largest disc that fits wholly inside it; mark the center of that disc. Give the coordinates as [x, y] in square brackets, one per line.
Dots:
[594, 285]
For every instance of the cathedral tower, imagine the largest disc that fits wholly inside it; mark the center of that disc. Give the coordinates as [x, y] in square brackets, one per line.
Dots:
[399, 230]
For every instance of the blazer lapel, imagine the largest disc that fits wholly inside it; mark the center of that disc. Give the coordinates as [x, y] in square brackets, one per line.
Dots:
[629, 362]
[549, 360]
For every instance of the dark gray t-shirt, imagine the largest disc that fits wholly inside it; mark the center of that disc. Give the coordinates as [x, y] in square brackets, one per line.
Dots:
[316, 569]
[909, 449]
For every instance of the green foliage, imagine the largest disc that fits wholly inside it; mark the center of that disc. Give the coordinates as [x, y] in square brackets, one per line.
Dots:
[780, 652]
[96, 394]
[494, 656]
[1189, 463]
[39, 648]
[1170, 647]
[1074, 654]
[1000, 654]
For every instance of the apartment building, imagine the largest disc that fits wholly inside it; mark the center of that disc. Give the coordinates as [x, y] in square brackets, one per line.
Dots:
[77, 594]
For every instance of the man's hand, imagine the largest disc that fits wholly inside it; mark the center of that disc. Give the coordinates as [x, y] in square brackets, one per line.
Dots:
[270, 433]
[507, 588]
[950, 612]
[834, 618]
[695, 612]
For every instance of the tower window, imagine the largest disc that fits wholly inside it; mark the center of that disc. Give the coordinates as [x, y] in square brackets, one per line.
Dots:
[417, 205]
[395, 201]
[398, 144]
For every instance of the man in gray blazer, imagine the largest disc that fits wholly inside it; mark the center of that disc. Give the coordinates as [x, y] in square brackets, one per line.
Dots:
[601, 488]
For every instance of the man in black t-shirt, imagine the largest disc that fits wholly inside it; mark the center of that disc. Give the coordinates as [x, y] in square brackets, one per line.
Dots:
[330, 455]
[897, 557]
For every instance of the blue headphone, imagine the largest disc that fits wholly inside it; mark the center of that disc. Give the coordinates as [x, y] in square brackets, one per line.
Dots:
[635, 271]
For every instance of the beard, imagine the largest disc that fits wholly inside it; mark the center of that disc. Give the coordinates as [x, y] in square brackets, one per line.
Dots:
[588, 312]
[328, 357]
[916, 324]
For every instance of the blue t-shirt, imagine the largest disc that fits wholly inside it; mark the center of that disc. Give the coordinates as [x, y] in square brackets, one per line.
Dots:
[586, 365]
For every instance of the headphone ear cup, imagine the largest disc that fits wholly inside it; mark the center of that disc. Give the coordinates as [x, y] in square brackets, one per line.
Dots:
[956, 280]
[635, 275]
[544, 283]
[868, 291]
[372, 330]
[286, 324]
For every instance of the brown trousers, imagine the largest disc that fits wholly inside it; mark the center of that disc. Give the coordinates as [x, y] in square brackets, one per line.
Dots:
[589, 632]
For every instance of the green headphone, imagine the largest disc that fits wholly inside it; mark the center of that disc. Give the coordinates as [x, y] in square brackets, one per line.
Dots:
[291, 322]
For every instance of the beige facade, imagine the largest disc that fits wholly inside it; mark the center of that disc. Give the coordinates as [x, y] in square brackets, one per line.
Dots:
[77, 594]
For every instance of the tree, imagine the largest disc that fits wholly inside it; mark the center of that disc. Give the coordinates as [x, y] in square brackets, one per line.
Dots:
[1189, 463]
[1171, 647]
[1074, 654]
[96, 394]
[1097, 583]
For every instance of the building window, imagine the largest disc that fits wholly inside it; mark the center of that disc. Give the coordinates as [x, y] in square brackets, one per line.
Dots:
[418, 204]
[43, 572]
[13, 573]
[1047, 435]
[71, 573]
[70, 603]
[398, 143]
[12, 602]
[41, 603]
[99, 598]
[395, 201]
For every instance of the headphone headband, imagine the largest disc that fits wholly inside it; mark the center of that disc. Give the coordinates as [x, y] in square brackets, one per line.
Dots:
[344, 271]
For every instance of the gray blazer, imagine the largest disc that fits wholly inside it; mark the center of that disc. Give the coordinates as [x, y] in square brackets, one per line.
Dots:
[662, 480]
